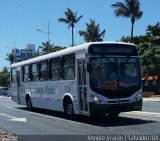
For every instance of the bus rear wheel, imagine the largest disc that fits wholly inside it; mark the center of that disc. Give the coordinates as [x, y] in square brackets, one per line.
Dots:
[29, 103]
[68, 109]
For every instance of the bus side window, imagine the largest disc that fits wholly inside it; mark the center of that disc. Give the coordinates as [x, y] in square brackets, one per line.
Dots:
[54, 68]
[68, 67]
[43, 70]
[34, 72]
[25, 73]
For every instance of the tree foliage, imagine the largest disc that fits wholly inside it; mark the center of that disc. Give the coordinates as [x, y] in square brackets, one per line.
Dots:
[46, 46]
[149, 49]
[129, 9]
[92, 33]
[57, 48]
[70, 19]
[5, 77]
[10, 58]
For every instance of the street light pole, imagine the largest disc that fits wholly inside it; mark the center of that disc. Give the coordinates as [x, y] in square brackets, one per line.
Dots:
[48, 33]
[14, 51]
[48, 39]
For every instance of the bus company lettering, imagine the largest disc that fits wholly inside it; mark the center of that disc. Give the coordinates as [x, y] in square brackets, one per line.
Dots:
[40, 90]
[46, 90]
[50, 90]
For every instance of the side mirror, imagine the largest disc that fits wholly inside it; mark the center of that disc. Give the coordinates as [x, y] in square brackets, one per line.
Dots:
[89, 67]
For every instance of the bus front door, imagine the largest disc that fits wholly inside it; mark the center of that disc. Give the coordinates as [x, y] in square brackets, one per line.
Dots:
[82, 87]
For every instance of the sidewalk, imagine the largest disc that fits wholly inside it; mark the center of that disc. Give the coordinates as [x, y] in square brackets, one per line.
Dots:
[7, 136]
[152, 99]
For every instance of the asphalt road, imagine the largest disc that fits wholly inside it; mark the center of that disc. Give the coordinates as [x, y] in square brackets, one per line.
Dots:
[44, 124]
[150, 106]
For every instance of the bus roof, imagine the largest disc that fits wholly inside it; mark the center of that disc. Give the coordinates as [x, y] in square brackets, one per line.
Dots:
[78, 48]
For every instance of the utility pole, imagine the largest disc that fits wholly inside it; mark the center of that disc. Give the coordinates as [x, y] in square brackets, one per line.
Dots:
[48, 35]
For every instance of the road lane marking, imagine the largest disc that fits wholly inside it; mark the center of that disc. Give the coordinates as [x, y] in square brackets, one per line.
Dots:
[9, 107]
[19, 119]
[11, 118]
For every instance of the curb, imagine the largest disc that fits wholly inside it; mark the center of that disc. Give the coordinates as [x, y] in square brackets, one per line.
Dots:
[152, 99]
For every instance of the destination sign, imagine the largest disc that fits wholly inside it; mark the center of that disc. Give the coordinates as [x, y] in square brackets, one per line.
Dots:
[113, 49]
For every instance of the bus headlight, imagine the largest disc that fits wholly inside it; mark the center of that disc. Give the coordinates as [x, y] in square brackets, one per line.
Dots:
[137, 97]
[95, 98]
[98, 100]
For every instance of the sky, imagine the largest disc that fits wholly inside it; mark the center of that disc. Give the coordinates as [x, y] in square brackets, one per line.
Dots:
[20, 19]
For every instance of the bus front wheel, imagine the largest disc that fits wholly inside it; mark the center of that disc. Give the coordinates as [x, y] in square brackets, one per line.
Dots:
[68, 109]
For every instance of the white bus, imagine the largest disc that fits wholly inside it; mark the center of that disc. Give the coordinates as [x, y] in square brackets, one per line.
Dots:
[80, 80]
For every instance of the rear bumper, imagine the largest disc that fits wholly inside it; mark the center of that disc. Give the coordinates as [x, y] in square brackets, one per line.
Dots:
[103, 109]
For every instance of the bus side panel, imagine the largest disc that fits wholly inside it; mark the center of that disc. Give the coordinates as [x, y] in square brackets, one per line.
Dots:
[14, 94]
[55, 93]
[49, 94]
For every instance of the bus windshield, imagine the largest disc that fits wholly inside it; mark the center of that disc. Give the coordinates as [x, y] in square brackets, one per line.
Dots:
[114, 73]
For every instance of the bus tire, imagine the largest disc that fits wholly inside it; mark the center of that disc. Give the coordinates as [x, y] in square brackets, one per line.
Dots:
[29, 103]
[113, 116]
[68, 109]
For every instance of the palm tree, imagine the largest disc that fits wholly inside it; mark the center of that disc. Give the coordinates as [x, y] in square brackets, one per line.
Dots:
[71, 19]
[10, 58]
[57, 48]
[5, 71]
[92, 33]
[129, 9]
[46, 47]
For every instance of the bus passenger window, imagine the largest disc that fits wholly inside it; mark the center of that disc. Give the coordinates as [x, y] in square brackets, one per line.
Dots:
[34, 72]
[54, 68]
[43, 70]
[68, 67]
[25, 73]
